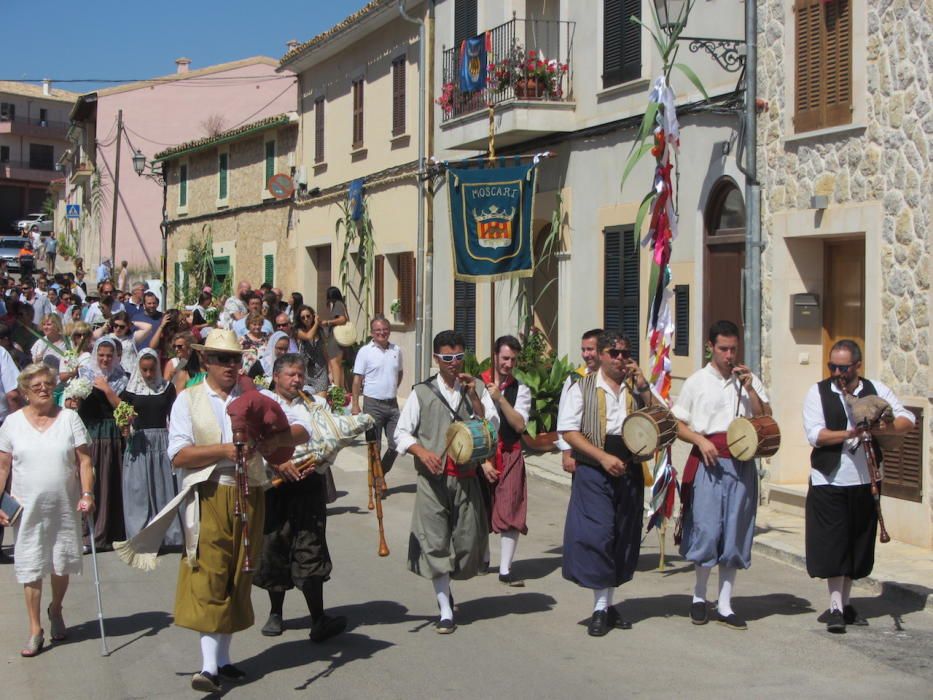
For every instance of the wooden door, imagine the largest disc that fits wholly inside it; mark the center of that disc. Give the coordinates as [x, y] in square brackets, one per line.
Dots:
[724, 291]
[322, 267]
[843, 295]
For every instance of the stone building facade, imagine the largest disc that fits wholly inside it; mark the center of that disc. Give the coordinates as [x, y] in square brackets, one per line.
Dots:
[846, 213]
[249, 228]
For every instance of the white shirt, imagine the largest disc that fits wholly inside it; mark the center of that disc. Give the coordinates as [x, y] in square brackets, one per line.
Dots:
[96, 317]
[560, 443]
[232, 306]
[853, 467]
[523, 401]
[570, 411]
[8, 375]
[411, 415]
[707, 402]
[295, 410]
[181, 429]
[41, 307]
[380, 370]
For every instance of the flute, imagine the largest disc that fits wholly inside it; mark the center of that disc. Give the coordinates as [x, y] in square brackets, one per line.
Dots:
[377, 485]
[874, 473]
[241, 501]
[302, 465]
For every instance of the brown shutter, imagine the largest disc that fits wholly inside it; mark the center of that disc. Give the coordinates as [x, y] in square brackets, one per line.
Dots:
[823, 73]
[319, 130]
[379, 284]
[358, 113]
[903, 466]
[837, 62]
[406, 287]
[807, 79]
[398, 96]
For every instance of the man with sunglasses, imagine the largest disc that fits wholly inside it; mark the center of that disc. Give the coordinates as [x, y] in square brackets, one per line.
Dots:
[720, 494]
[449, 530]
[602, 534]
[841, 519]
[590, 356]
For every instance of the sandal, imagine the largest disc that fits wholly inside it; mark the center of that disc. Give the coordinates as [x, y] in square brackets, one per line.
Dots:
[34, 645]
[57, 624]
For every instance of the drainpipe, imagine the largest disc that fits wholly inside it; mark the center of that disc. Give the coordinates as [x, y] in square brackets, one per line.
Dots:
[753, 243]
[419, 255]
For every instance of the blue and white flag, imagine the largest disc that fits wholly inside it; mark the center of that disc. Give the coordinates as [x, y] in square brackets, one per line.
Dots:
[355, 199]
[474, 55]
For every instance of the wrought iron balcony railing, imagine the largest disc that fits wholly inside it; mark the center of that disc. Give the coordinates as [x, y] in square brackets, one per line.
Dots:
[527, 59]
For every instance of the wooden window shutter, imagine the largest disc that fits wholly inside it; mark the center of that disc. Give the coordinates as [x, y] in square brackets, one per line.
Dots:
[681, 319]
[612, 280]
[837, 62]
[406, 287]
[903, 466]
[621, 42]
[398, 96]
[222, 167]
[465, 20]
[270, 162]
[807, 72]
[379, 277]
[631, 278]
[357, 113]
[823, 68]
[183, 186]
[319, 130]
[268, 269]
[465, 313]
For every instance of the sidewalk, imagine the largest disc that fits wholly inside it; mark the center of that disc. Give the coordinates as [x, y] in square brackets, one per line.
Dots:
[902, 572]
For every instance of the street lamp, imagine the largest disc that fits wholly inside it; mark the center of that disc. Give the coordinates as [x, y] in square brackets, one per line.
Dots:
[728, 53]
[157, 175]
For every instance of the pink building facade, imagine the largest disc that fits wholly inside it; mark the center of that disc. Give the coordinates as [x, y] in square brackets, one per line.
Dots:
[156, 114]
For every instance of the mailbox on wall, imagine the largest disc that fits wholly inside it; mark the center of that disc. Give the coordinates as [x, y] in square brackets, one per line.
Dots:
[805, 312]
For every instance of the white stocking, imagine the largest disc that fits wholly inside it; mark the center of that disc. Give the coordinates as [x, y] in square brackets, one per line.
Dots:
[509, 543]
[699, 588]
[846, 590]
[209, 648]
[836, 586]
[726, 584]
[442, 591]
[602, 598]
[223, 650]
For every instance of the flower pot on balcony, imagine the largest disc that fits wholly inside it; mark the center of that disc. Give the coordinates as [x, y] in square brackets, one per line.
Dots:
[529, 89]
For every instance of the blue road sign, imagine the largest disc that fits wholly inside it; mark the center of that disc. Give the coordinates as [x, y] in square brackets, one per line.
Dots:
[73, 211]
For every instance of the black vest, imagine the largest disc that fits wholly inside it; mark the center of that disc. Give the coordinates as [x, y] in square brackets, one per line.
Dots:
[826, 459]
[506, 432]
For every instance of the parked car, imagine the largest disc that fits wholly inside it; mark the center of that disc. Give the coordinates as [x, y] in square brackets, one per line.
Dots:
[9, 251]
[44, 223]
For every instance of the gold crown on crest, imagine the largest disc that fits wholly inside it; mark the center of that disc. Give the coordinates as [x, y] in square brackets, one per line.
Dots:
[494, 213]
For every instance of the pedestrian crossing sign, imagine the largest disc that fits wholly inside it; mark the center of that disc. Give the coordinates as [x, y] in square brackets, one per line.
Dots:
[73, 211]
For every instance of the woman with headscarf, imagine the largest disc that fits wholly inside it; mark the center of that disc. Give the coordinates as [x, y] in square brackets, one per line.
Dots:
[279, 344]
[108, 380]
[148, 483]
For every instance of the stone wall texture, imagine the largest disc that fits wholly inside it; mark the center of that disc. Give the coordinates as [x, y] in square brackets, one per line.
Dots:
[888, 161]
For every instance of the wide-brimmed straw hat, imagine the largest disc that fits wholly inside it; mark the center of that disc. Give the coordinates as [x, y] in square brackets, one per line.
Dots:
[220, 341]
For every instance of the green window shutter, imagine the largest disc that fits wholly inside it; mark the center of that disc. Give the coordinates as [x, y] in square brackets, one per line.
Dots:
[222, 173]
[183, 186]
[269, 268]
[270, 161]
[177, 282]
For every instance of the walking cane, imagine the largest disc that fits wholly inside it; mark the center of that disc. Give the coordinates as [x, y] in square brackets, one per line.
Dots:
[100, 610]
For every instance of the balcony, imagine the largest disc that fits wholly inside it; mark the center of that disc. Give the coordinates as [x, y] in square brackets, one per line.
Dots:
[24, 170]
[81, 173]
[33, 126]
[529, 85]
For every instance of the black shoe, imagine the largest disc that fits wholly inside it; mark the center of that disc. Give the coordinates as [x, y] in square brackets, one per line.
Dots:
[510, 580]
[732, 621]
[205, 682]
[599, 624]
[836, 622]
[851, 616]
[327, 627]
[232, 673]
[699, 613]
[617, 621]
[274, 626]
[445, 626]
[483, 569]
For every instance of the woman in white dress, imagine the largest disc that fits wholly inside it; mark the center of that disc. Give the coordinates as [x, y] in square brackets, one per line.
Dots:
[47, 447]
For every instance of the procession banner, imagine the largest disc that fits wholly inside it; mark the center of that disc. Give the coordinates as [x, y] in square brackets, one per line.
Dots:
[474, 56]
[490, 219]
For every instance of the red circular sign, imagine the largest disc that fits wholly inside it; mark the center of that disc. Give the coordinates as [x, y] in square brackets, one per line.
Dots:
[281, 186]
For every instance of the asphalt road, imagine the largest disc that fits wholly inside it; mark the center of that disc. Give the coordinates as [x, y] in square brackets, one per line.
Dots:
[510, 642]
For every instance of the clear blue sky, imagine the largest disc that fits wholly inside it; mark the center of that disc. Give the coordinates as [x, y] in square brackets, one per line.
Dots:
[134, 39]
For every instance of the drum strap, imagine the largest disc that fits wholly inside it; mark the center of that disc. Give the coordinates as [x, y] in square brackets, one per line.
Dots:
[453, 414]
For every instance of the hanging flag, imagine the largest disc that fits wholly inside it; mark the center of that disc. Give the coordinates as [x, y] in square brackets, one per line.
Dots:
[490, 219]
[474, 55]
[355, 199]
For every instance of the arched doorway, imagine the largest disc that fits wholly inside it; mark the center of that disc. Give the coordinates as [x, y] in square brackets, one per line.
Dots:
[724, 257]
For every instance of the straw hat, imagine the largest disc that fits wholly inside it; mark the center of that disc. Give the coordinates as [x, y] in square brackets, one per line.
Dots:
[220, 341]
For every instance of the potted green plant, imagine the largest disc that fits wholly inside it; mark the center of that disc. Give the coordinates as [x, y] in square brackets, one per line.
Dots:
[529, 74]
[546, 382]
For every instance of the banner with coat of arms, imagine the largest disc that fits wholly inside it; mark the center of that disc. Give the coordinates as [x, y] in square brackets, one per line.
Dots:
[474, 55]
[490, 218]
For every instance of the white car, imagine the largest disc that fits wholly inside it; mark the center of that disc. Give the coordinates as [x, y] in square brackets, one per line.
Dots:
[41, 220]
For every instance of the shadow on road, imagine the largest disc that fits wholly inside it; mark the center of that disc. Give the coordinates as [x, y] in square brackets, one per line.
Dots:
[678, 605]
[491, 607]
[355, 510]
[532, 569]
[404, 488]
[143, 624]
[893, 602]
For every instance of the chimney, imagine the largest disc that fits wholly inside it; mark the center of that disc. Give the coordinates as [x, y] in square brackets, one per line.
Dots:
[182, 64]
[46, 87]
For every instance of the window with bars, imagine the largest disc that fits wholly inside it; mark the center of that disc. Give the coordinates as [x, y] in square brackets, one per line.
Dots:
[268, 269]
[183, 186]
[407, 271]
[319, 130]
[465, 313]
[903, 466]
[398, 96]
[621, 42]
[681, 319]
[621, 284]
[270, 163]
[358, 113]
[465, 20]
[223, 163]
[823, 64]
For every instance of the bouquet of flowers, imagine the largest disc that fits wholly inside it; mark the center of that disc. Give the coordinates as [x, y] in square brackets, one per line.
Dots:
[69, 361]
[262, 381]
[77, 388]
[337, 399]
[528, 67]
[124, 415]
[211, 314]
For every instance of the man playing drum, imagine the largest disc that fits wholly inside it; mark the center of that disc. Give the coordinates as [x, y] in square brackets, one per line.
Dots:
[449, 530]
[506, 472]
[602, 534]
[720, 494]
[590, 356]
[841, 518]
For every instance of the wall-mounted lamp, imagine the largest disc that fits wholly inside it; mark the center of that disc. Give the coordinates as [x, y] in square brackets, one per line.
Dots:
[819, 201]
